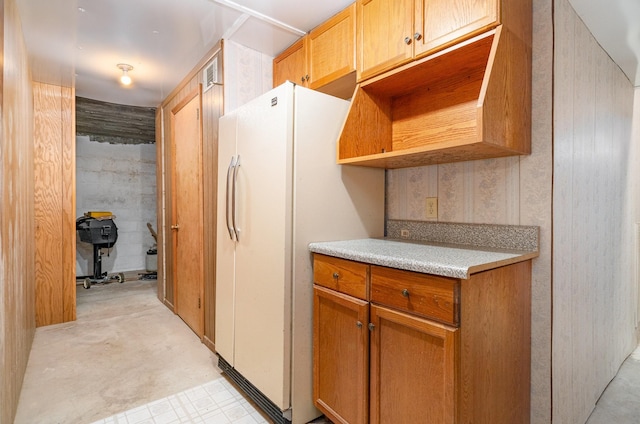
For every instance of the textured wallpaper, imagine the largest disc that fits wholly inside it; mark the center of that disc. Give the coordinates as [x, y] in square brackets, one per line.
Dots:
[480, 192]
[247, 74]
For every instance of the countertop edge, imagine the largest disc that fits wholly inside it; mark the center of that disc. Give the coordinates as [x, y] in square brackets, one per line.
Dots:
[435, 266]
[486, 267]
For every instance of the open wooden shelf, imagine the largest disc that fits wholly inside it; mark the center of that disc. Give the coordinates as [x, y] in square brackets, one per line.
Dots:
[470, 101]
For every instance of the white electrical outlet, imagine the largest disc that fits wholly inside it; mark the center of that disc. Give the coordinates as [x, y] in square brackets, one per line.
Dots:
[404, 233]
[432, 208]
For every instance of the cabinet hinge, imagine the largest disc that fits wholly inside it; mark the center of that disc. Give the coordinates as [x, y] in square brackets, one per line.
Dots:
[197, 114]
[198, 303]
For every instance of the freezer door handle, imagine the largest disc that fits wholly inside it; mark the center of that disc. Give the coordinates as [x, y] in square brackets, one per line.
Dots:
[232, 165]
[234, 200]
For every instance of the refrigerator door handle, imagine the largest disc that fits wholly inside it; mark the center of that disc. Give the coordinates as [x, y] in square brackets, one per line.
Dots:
[232, 165]
[234, 201]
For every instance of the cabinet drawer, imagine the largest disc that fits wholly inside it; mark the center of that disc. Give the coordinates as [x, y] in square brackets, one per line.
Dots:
[420, 294]
[341, 275]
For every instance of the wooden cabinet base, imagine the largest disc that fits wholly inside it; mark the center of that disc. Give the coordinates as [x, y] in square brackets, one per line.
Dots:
[378, 362]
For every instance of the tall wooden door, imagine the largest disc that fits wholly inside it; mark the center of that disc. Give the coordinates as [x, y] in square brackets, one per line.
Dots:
[187, 211]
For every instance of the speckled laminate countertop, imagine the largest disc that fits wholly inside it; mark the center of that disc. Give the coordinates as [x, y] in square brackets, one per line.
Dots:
[446, 260]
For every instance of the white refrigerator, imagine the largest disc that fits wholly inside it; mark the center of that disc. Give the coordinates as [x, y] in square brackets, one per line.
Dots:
[279, 189]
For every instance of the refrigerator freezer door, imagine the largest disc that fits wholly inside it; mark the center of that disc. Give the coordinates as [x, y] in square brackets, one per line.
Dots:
[262, 292]
[225, 244]
[332, 202]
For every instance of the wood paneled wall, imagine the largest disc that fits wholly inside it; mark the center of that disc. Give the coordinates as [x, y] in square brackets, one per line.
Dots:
[212, 102]
[593, 283]
[246, 74]
[55, 165]
[17, 287]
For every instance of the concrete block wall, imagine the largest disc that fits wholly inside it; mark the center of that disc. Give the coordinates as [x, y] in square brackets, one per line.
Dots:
[120, 178]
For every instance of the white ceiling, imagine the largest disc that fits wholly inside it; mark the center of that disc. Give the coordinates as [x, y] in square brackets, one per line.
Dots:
[164, 39]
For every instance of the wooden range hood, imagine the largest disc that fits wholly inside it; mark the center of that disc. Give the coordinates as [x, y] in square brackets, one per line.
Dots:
[470, 101]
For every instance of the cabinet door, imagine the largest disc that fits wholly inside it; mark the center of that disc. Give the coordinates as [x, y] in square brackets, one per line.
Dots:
[291, 65]
[340, 356]
[412, 369]
[440, 23]
[382, 27]
[332, 48]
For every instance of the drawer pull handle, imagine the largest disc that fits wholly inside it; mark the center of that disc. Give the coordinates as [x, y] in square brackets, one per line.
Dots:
[359, 324]
[371, 326]
[405, 293]
[336, 275]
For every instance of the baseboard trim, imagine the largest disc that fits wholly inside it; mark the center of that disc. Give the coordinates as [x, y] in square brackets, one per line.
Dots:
[209, 343]
[169, 305]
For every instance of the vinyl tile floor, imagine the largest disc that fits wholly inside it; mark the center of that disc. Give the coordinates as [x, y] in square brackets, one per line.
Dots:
[216, 402]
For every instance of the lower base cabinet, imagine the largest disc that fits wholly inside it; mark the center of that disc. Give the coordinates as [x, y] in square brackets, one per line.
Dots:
[421, 348]
[412, 369]
[341, 356]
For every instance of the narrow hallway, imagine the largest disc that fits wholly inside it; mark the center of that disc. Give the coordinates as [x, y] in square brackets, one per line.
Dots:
[124, 351]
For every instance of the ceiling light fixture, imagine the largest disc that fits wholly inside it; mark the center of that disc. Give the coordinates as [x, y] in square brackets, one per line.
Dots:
[125, 78]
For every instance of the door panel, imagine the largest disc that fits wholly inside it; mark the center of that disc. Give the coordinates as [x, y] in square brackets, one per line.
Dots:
[412, 369]
[225, 245]
[442, 22]
[382, 27]
[187, 225]
[263, 208]
[340, 356]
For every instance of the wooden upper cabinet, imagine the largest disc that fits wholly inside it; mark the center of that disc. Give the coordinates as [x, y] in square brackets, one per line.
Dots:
[291, 65]
[382, 28]
[332, 47]
[394, 32]
[441, 23]
[325, 59]
[466, 100]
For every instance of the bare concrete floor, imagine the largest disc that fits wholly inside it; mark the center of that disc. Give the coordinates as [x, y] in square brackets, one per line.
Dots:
[126, 349]
[620, 402]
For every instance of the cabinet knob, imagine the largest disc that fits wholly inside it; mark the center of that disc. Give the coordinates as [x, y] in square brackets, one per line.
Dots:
[306, 77]
[405, 293]
[175, 227]
[417, 36]
[359, 324]
[407, 40]
[302, 80]
[371, 326]
[336, 275]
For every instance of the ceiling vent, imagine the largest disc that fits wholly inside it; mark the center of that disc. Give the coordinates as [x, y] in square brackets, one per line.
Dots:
[210, 75]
